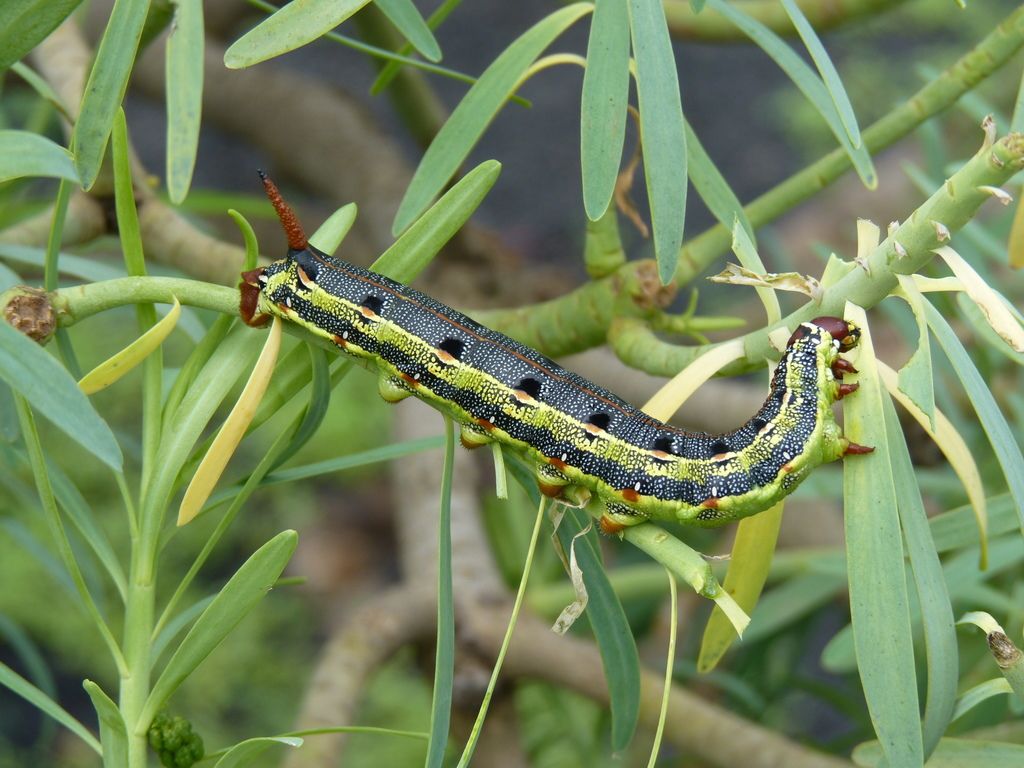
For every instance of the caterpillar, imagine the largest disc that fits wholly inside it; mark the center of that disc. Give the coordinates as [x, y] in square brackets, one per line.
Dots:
[583, 440]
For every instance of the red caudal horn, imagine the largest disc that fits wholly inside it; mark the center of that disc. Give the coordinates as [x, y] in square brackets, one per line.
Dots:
[292, 228]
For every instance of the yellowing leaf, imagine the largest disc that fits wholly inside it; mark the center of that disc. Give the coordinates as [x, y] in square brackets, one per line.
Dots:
[953, 448]
[748, 569]
[116, 366]
[734, 274]
[230, 435]
[1015, 244]
[669, 398]
[988, 300]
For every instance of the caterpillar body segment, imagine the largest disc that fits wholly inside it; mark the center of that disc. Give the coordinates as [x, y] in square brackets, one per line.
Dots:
[583, 440]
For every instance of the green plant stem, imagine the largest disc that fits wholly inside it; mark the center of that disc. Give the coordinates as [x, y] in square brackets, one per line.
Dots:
[545, 325]
[995, 50]
[708, 25]
[138, 624]
[952, 206]
[81, 301]
[669, 666]
[38, 462]
[467, 754]
[129, 503]
[51, 270]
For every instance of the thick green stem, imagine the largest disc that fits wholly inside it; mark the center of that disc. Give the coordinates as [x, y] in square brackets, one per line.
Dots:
[138, 627]
[988, 56]
[942, 92]
[81, 301]
[906, 251]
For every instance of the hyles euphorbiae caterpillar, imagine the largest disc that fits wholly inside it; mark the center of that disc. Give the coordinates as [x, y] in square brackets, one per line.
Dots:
[583, 440]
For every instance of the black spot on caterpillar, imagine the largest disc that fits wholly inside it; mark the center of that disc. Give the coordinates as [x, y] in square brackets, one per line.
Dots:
[583, 440]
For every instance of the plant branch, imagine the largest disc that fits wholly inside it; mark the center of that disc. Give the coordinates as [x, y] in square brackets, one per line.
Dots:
[995, 50]
[532, 324]
[952, 206]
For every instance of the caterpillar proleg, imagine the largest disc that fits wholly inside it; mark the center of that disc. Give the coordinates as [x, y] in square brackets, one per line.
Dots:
[584, 442]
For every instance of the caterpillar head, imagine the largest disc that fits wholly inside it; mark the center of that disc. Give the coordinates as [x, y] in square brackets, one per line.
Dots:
[842, 331]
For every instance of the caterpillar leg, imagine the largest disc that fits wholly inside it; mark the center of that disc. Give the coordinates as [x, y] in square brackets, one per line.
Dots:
[846, 389]
[555, 485]
[856, 449]
[841, 366]
[392, 389]
[473, 437]
[618, 517]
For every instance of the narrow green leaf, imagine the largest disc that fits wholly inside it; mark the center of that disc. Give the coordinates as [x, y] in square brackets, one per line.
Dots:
[481, 715]
[712, 187]
[419, 244]
[351, 461]
[972, 697]
[176, 625]
[51, 391]
[31, 545]
[319, 399]
[9, 429]
[69, 264]
[603, 106]
[28, 154]
[199, 356]
[30, 658]
[403, 14]
[1004, 444]
[240, 595]
[244, 752]
[1017, 120]
[23, 688]
[958, 527]
[791, 601]
[662, 130]
[181, 429]
[330, 235]
[916, 377]
[389, 70]
[184, 64]
[933, 597]
[113, 733]
[293, 26]
[829, 75]
[107, 83]
[879, 604]
[8, 277]
[478, 107]
[26, 23]
[41, 87]
[611, 630]
[953, 753]
[444, 659]
[839, 656]
[806, 80]
[85, 521]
